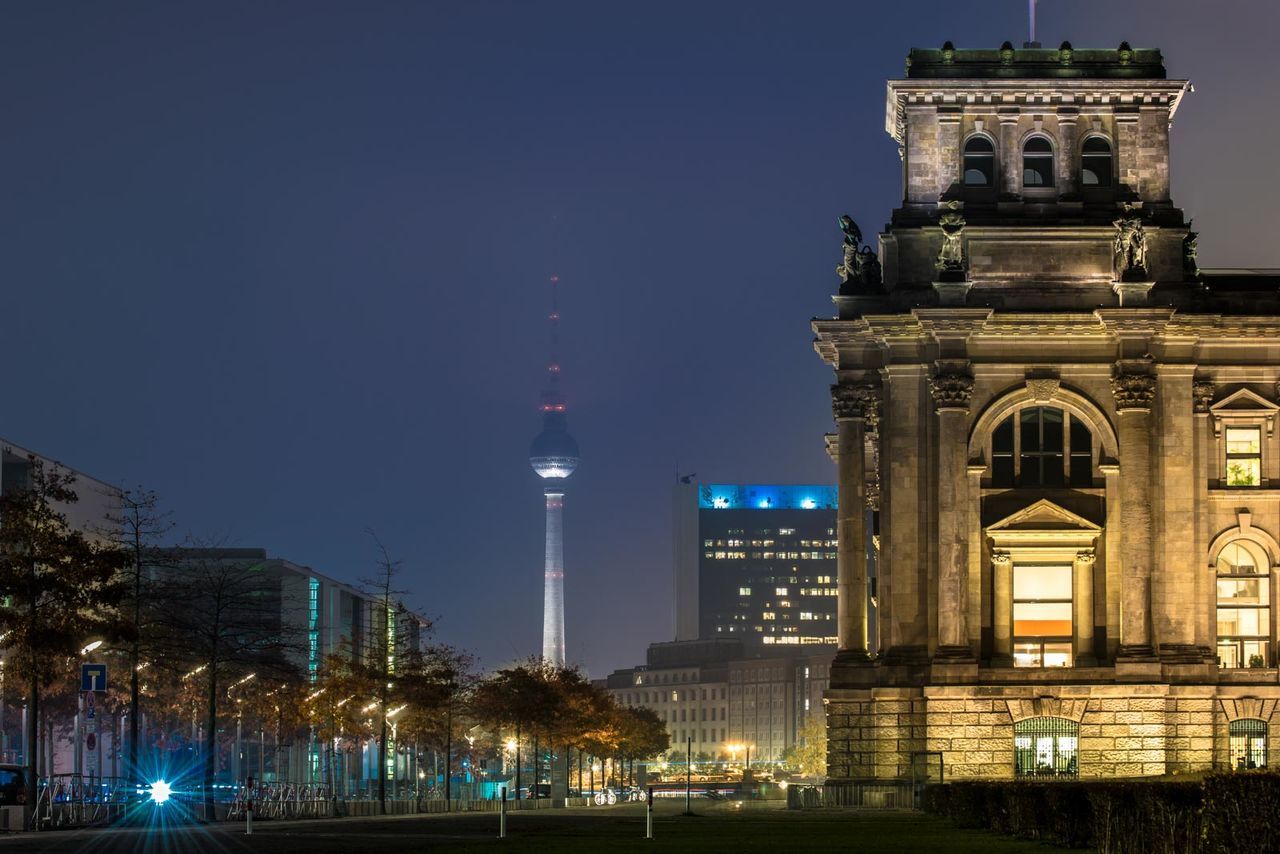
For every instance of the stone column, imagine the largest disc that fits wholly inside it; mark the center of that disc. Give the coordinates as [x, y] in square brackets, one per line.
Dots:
[1010, 155]
[1173, 497]
[1002, 608]
[1134, 392]
[1202, 392]
[1083, 595]
[850, 405]
[951, 388]
[1068, 151]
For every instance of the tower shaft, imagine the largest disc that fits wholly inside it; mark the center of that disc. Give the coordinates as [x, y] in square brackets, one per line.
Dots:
[553, 581]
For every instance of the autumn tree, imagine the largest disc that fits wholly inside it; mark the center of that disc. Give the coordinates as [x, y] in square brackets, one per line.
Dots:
[519, 698]
[809, 754]
[333, 707]
[59, 587]
[432, 685]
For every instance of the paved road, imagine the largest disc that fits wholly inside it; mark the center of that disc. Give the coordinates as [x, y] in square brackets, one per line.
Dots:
[387, 834]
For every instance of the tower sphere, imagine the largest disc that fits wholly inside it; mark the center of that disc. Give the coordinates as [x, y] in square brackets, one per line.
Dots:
[554, 453]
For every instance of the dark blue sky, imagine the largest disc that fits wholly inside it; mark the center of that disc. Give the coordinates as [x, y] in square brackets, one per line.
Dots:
[286, 262]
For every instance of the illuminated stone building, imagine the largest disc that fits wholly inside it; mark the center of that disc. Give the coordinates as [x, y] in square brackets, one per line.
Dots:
[1067, 430]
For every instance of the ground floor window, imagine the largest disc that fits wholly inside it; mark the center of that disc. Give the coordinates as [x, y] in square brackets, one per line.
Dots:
[1046, 747]
[1248, 743]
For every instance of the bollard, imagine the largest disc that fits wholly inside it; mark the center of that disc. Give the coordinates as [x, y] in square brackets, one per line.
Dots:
[502, 815]
[248, 818]
[648, 824]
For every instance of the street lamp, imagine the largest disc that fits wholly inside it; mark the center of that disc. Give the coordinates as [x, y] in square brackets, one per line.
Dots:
[90, 647]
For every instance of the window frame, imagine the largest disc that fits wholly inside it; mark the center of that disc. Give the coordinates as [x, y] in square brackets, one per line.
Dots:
[1051, 188]
[1011, 459]
[1247, 743]
[993, 154]
[1041, 727]
[1042, 641]
[1229, 455]
[1242, 643]
[1111, 163]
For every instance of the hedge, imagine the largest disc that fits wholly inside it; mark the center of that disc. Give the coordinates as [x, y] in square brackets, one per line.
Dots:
[1225, 813]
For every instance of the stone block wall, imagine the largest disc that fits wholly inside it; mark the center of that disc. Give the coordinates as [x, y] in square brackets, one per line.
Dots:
[1125, 730]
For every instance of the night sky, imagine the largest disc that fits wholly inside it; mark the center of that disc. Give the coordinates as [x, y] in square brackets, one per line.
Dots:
[286, 263]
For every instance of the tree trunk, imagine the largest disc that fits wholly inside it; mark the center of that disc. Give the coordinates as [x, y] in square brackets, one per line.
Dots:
[533, 787]
[382, 764]
[33, 745]
[517, 763]
[211, 740]
[448, 757]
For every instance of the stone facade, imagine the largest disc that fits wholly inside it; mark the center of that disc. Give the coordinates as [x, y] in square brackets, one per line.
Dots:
[1071, 440]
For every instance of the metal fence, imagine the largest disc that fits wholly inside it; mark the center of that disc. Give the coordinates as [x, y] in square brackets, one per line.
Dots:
[891, 795]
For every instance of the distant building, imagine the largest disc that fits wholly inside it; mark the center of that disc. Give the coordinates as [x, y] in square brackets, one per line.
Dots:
[98, 501]
[764, 560]
[709, 692]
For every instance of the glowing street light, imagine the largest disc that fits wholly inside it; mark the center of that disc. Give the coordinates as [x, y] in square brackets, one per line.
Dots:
[159, 791]
[90, 647]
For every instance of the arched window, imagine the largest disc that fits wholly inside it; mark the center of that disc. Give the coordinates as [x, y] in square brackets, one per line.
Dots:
[1244, 606]
[1037, 163]
[979, 162]
[1095, 162]
[1046, 747]
[1247, 745]
[1041, 446]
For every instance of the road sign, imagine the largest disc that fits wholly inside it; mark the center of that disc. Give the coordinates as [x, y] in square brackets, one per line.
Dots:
[90, 706]
[91, 742]
[93, 677]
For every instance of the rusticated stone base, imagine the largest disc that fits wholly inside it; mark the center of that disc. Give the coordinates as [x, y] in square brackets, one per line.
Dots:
[1126, 730]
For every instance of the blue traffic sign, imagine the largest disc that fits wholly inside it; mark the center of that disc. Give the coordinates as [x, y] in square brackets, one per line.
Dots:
[93, 677]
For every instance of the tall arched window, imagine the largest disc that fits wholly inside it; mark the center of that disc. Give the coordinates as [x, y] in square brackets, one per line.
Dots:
[1037, 163]
[1244, 606]
[1046, 747]
[1041, 446]
[979, 162]
[1247, 743]
[1095, 162]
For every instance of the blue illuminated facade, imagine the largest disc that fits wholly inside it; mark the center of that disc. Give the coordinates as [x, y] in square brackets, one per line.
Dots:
[721, 496]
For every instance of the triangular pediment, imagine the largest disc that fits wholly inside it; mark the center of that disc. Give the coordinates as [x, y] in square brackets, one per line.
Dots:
[1044, 515]
[1243, 400]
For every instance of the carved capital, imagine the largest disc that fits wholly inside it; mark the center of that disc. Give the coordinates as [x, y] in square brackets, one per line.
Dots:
[873, 495]
[951, 389]
[1133, 390]
[1086, 557]
[1001, 558]
[856, 401]
[1201, 395]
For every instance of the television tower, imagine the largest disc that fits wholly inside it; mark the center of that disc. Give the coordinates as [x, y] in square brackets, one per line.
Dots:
[554, 456]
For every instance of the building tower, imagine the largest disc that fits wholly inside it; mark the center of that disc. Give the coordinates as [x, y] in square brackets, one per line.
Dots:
[554, 456]
[1065, 428]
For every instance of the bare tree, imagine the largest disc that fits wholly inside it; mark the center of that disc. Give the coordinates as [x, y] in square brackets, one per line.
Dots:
[222, 616]
[379, 663]
[137, 528]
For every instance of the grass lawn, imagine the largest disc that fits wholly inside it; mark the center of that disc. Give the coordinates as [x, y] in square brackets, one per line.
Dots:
[727, 830]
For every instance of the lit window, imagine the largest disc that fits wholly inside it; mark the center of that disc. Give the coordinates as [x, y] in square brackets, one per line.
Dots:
[780, 591]
[744, 591]
[1042, 616]
[979, 162]
[1046, 747]
[768, 615]
[1244, 456]
[1095, 162]
[1037, 163]
[1247, 743]
[1244, 607]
